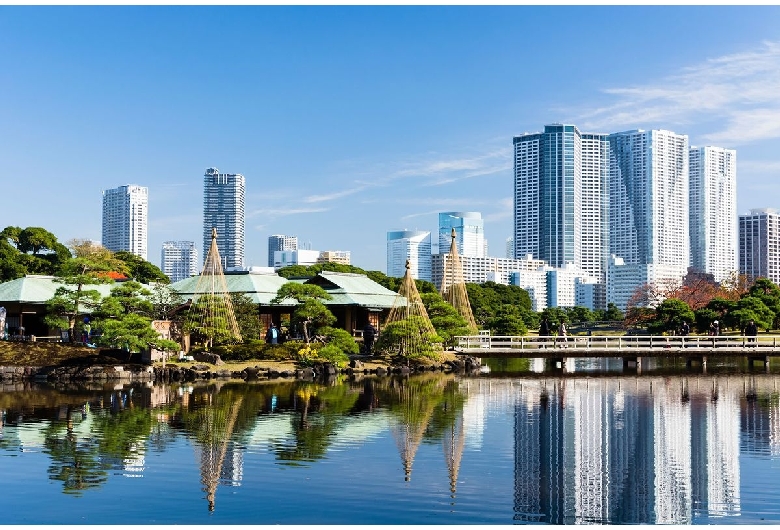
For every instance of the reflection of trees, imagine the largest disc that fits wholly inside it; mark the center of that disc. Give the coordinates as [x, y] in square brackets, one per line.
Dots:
[75, 461]
[320, 411]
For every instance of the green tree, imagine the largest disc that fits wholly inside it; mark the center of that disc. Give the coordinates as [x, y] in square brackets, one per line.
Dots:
[751, 308]
[91, 265]
[31, 250]
[247, 316]
[165, 301]
[446, 320]
[208, 321]
[508, 321]
[141, 270]
[670, 315]
[579, 314]
[310, 314]
[124, 320]
[613, 313]
[769, 293]
[409, 338]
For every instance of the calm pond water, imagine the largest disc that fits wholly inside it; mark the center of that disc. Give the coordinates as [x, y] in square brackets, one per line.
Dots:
[592, 445]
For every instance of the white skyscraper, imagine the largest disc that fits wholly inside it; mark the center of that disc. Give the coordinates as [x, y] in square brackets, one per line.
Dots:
[648, 210]
[561, 199]
[125, 218]
[223, 209]
[179, 260]
[469, 233]
[411, 245]
[713, 210]
[280, 242]
[759, 244]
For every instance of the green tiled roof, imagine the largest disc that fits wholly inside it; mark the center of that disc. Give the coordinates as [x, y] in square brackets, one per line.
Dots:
[354, 289]
[345, 288]
[34, 289]
[261, 288]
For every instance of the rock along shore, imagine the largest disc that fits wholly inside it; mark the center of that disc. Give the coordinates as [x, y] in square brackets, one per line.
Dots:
[130, 373]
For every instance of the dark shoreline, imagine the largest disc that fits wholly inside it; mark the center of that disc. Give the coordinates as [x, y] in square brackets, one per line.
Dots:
[133, 372]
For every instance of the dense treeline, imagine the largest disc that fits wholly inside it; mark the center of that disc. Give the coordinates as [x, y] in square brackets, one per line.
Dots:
[35, 250]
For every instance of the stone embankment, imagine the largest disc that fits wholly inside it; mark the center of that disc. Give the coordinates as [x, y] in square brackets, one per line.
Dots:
[174, 373]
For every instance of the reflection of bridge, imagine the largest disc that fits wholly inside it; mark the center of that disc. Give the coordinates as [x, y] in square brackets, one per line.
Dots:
[759, 348]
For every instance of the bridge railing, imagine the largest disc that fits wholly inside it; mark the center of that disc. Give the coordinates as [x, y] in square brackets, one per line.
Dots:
[616, 342]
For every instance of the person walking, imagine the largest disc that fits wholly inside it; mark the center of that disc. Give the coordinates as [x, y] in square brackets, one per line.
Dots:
[272, 335]
[369, 332]
[715, 328]
[751, 330]
[562, 334]
[544, 331]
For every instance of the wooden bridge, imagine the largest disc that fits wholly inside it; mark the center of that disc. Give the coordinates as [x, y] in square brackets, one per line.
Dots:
[629, 347]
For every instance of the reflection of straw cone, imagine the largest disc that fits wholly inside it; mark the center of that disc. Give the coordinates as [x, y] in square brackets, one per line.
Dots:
[453, 444]
[408, 436]
[212, 455]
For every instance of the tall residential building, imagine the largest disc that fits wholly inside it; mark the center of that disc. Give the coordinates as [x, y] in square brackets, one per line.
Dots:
[179, 260]
[561, 186]
[713, 210]
[510, 248]
[759, 244]
[125, 219]
[648, 209]
[469, 233]
[223, 209]
[547, 194]
[412, 245]
[280, 242]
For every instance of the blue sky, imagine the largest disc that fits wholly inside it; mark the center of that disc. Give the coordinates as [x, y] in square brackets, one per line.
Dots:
[351, 121]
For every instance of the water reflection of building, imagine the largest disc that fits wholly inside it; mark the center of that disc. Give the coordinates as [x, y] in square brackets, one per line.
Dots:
[760, 422]
[624, 451]
[715, 450]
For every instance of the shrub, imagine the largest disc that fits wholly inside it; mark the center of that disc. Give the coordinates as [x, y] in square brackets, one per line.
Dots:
[333, 354]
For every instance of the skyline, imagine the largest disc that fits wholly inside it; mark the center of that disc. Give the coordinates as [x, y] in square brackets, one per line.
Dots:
[350, 122]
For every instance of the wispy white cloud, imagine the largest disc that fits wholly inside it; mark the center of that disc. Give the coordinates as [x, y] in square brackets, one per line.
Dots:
[431, 169]
[334, 195]
[279, 212]
[739, 92]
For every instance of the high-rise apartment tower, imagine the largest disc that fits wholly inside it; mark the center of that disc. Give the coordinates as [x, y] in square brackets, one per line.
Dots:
[223, 209]
[759, 244]
[179, 260]
[412, 245]
[125, 219]
[560, 198]
[713, 210]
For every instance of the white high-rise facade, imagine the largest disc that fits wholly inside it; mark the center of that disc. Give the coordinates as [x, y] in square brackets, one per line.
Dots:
[713, 210]
[648, 210]
[560, 199]
[125, 219]
[179, 260]
[223, 209]
[759, 244]
[469, 233]
[279, 242]
[412, 245]
[584, 198]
